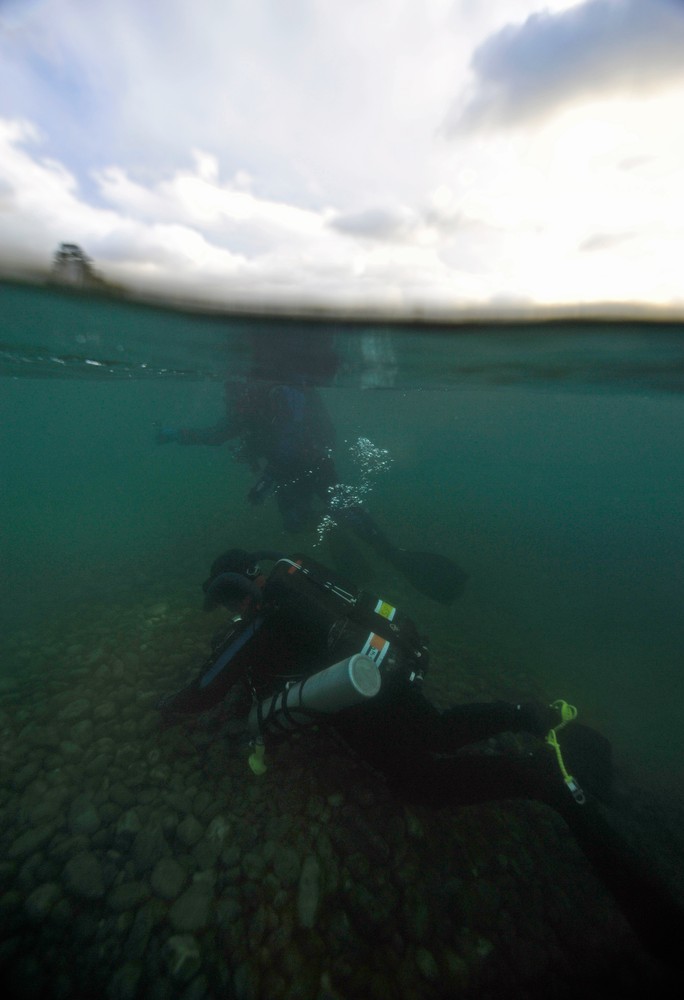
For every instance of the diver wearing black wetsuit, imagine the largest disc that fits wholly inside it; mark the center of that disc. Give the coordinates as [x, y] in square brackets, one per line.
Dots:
[285, 433]
[302, 618]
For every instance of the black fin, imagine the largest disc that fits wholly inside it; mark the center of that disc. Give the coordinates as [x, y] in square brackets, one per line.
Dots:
[432, 574]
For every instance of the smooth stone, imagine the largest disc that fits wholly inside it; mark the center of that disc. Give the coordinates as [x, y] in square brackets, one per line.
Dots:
[129, 824]
[82, 731]
[106, 710]
[308, 892]
[30, 841]
[189, 831]
[286, 865]
[83, 876]
[75, 710]
[168, 878]
[183, 957]
[40, 902]
[148, 846]
[83, 817]
[127, 895]
[190, 912]
[124, 983]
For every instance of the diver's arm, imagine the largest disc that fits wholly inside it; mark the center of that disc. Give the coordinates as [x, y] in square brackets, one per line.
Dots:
[217, 434]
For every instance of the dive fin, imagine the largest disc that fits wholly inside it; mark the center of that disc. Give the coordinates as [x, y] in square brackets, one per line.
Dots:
[434, 575]
[347, 556]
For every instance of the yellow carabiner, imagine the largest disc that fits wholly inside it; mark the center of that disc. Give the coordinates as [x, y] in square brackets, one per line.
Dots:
[567, 713]
[256, 760]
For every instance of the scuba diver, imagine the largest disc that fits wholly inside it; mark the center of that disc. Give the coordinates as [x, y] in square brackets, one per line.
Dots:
[308, 647]
[283, 430]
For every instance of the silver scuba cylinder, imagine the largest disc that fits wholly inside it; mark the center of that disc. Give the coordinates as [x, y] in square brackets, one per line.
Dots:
[343, 684]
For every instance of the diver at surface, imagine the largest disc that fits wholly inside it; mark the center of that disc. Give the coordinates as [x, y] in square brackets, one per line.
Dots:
[309, 647]
[283, 430]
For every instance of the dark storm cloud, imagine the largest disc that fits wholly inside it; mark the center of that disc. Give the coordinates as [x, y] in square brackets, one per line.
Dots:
[602, 48]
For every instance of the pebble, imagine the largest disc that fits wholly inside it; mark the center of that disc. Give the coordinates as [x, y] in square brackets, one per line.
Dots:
[168, 878]
[190, 912]
[38, 905]
[189, 831]
[74, 710]
[83, 817]
[308, 893]
[183, 956]
[83, 876]
[127, 896]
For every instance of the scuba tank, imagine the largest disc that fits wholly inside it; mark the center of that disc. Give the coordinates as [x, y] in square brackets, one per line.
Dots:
[339, 686]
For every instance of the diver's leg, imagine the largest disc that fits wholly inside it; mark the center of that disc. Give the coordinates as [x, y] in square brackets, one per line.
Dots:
[464, 724]
[358, 520]
[648, 903]
[294, 504]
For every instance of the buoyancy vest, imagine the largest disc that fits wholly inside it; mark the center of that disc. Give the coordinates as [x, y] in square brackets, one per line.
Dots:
[328, 618]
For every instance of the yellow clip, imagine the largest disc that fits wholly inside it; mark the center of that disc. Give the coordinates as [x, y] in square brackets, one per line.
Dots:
[256, 759]
[567, 713]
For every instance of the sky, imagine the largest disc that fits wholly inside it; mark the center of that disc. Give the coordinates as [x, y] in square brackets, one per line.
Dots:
[432, 156]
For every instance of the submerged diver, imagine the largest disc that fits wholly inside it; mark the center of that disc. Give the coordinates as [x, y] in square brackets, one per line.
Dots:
[283, 430]
[355, 663]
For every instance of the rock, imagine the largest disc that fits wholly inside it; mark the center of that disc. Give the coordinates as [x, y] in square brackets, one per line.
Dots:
[286, 864]
[127, 895]
[218, 830]
[189, 831]
[75, 710]
[427, 965]
[183, 958]
[190, 912]
[48, 806]
[83, 876]
[40, 902]
[146, 919]
[124, 983]
[149, 845]
[128, 825]
[308, 894]
[30, 841]
[82, 732]
[25, 775]
[83, 817]
[168, 878]
[228, 912]
[106, 710]
[122, 795]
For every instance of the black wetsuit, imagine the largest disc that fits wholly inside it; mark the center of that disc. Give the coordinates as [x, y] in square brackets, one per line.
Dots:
[285, 433]
[430, 756]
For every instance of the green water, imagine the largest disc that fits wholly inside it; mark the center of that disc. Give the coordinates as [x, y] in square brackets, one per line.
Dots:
[563, 505]
[547, 462]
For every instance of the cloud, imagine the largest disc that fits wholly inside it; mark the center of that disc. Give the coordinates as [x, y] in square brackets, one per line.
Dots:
[376, 223]
[400, 224]
[597, 49]
[604, 241]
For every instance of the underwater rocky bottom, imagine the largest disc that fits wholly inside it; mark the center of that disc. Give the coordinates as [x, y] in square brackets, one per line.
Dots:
[143, 862]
